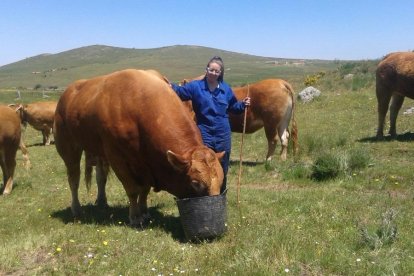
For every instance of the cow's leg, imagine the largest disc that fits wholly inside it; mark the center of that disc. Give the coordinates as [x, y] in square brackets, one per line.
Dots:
[271, 136]
[3, 169]
[73, 171]
[46, 136]
[72, 157]
[284, 138]
[8, 170]
[102, 169]
[396, 103]
[135, 185]
[142, 202]
[283, 132]
[25, 154]
[383, 100]
[136, 181]
[138, 212]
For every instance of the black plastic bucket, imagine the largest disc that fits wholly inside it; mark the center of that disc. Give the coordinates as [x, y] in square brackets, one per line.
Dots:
[203, 217]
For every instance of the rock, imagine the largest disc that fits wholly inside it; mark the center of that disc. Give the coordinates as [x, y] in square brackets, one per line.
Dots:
[308, 94]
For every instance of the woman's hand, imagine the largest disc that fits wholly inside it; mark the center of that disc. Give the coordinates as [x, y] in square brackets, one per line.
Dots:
[246, 101]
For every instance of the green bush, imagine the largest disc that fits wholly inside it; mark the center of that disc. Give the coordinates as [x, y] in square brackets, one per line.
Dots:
[326, 166]
[332, 164]
[358, 159]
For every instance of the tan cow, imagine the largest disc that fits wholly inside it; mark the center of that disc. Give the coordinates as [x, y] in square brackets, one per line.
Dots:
[40, 116]
[394, 81]
[272, 107]
[10, 133]
[133, 121]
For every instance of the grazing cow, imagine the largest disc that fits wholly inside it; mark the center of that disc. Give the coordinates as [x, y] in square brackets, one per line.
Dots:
[272, 107]
[134, 122]
[394, 81]
[10, 133]
[40, 116]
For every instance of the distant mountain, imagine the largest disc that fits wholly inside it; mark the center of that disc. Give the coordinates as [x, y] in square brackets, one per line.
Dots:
[175, 62]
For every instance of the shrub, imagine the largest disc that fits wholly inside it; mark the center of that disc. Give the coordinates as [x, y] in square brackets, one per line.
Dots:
[358, 159]
[313, 79]
[326, 166]
[385, 234]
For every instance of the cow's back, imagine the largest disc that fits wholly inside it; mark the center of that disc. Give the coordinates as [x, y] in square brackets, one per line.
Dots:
[40, 115]
[270, 98]
[396, 73]
[127, 107]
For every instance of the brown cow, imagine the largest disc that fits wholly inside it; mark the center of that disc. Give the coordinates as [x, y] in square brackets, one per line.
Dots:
[133, 121]
[40, 116]
[394, 81]
[10, 133]
[272, 107]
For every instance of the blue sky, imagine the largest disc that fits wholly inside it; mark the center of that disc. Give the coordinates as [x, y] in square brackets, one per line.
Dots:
[325, 29]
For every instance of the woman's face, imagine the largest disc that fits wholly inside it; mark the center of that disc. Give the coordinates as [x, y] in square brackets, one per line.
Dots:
[213, 71]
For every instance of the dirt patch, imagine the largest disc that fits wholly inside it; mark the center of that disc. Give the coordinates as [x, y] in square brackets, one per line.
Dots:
[32, 262]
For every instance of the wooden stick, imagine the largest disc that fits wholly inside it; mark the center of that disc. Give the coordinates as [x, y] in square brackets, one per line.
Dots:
[241, 151]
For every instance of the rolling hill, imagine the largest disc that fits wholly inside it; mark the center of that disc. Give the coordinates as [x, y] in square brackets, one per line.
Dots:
[175, 62]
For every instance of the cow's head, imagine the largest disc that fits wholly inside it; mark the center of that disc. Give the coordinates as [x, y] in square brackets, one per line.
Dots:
[203, 169]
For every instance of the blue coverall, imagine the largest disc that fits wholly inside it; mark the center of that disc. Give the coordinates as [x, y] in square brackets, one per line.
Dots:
[211, 110]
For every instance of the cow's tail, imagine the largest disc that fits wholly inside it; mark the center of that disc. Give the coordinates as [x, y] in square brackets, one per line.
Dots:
[294, 127]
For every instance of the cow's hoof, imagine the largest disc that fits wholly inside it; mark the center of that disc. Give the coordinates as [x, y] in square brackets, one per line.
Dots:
[102, 204]
[141, 222]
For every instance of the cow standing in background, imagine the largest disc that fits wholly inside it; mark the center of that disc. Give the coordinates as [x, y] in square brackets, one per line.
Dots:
[40, 116]
[133, 121]
[272, 108]
[394, 81]
[10, 133]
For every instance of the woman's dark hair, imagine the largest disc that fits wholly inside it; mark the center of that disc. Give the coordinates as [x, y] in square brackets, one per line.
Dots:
[219, 61]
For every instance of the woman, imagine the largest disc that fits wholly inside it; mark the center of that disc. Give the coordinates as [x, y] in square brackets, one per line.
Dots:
[212, 99]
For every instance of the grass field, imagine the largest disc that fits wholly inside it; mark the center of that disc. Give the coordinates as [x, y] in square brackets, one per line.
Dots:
[356, 223]
[175, 62]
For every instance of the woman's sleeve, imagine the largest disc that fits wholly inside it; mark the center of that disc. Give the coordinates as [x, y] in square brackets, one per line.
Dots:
[184, 92]
[235, 106]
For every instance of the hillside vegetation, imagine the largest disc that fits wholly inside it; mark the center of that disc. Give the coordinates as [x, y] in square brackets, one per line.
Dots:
[56, 71]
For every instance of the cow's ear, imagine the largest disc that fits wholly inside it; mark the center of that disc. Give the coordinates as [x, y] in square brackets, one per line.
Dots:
[19, 107]
[177, 161]
[15, 107]
[220, 155]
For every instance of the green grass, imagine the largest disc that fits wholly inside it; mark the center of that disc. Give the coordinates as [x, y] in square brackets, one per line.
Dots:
[175, 62]
[286, 221]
